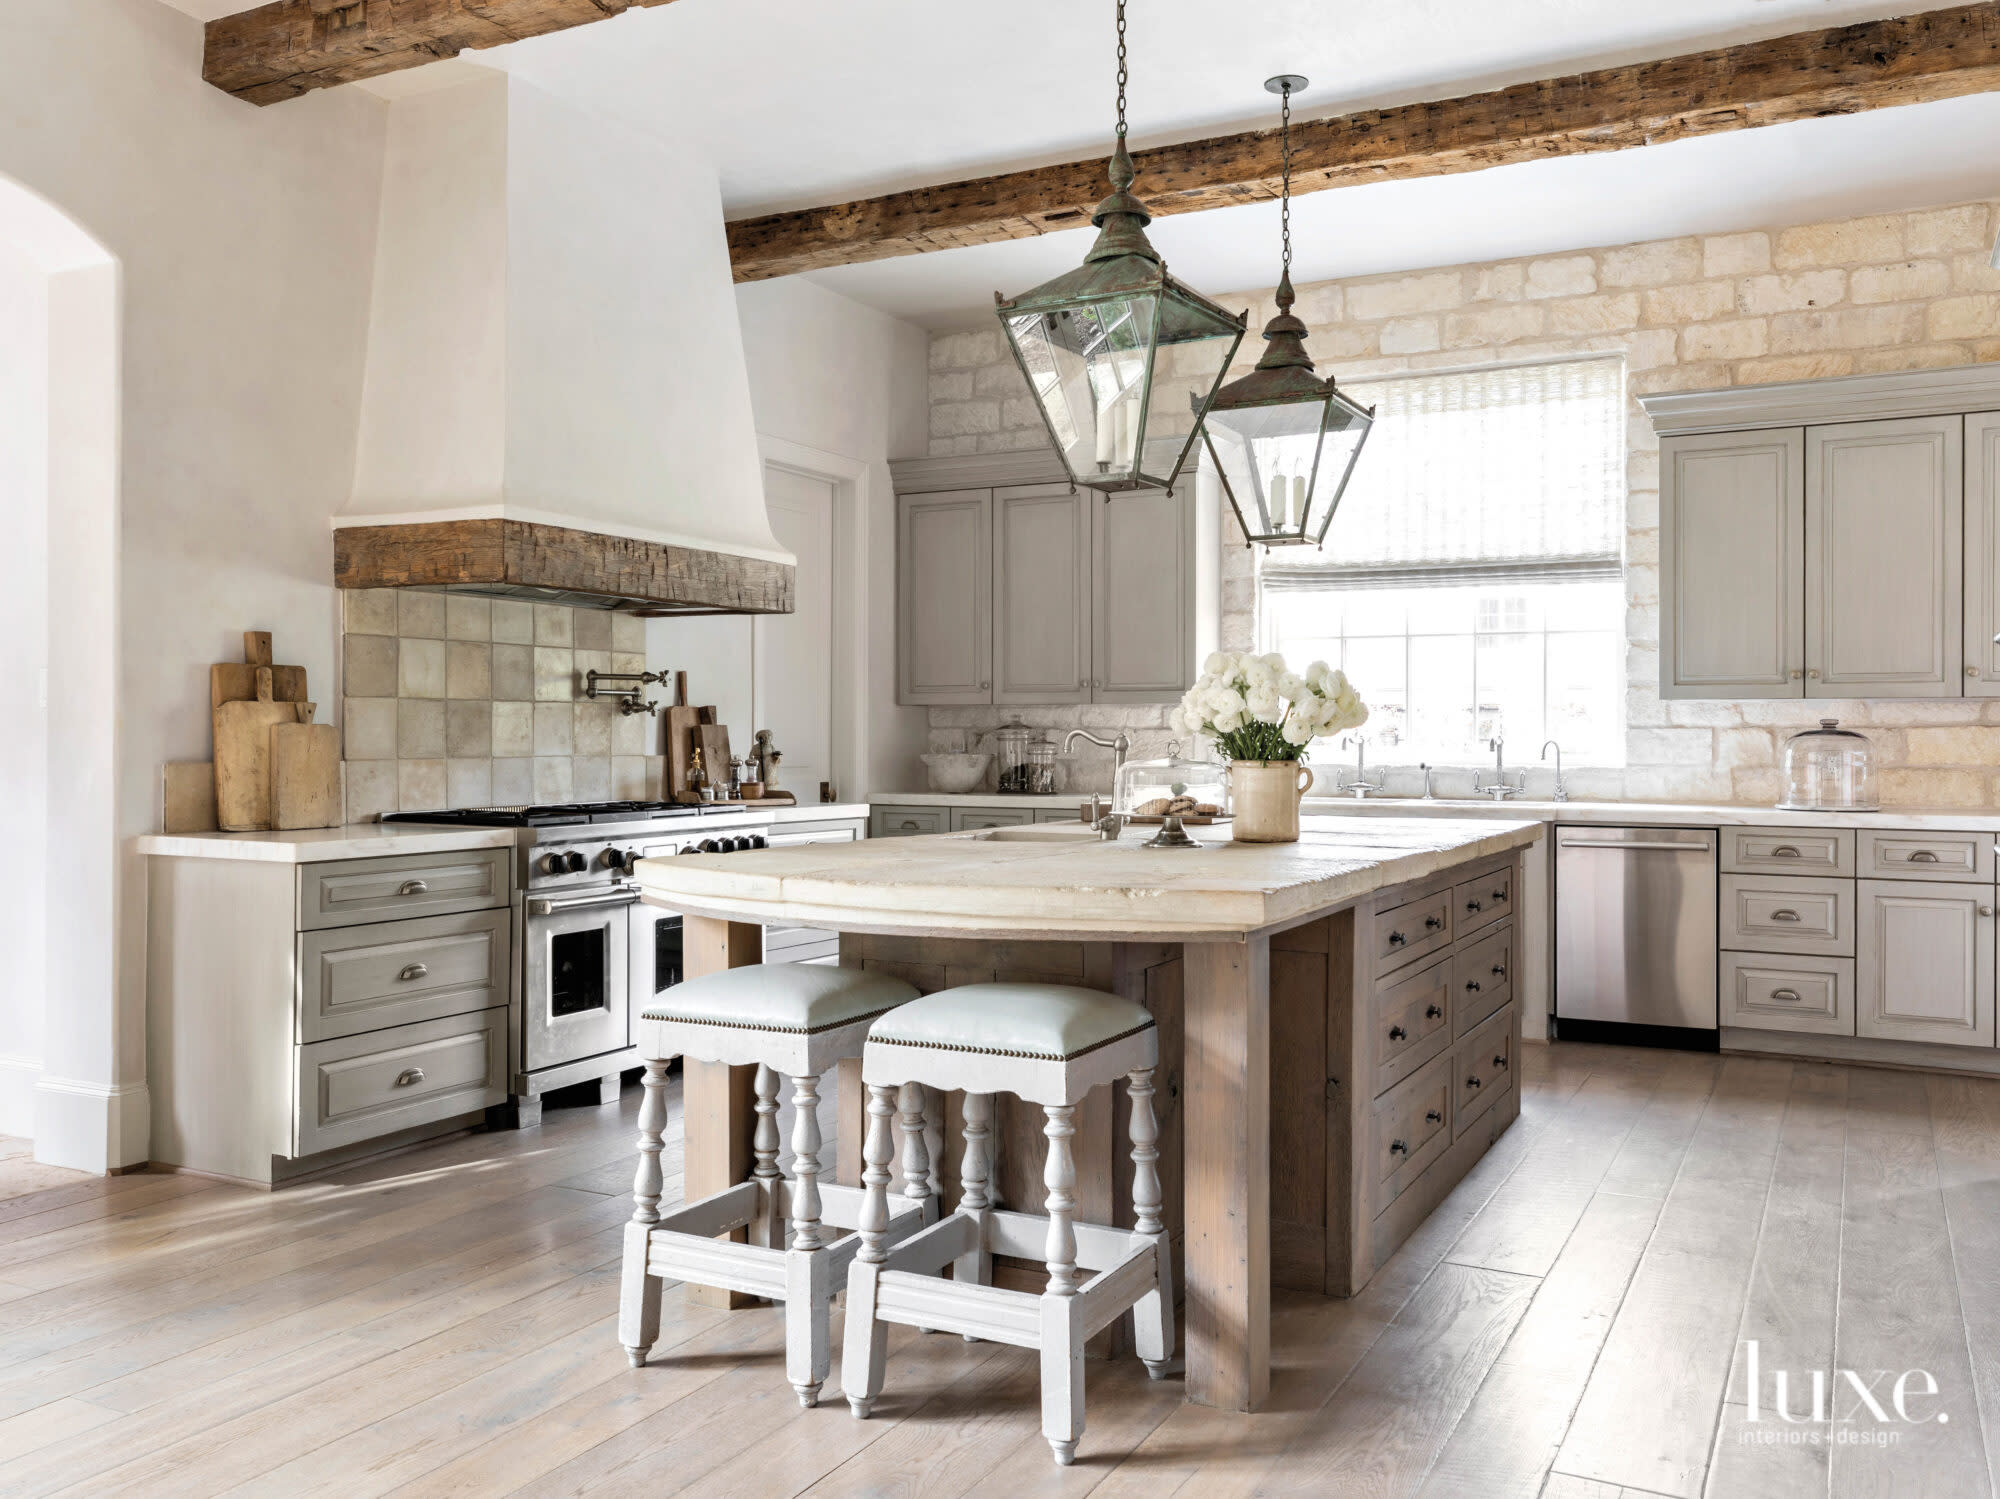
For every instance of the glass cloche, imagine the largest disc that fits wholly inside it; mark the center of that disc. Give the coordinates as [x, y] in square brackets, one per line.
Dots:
[1829, 769]
[1194, 790]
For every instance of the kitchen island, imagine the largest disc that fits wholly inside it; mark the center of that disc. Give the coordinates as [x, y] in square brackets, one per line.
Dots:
[1336, 1024]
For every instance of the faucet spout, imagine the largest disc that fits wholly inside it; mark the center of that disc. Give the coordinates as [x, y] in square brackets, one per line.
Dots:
[1561, 791]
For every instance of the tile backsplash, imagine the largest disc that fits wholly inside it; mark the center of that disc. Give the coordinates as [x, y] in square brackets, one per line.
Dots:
[452, 701]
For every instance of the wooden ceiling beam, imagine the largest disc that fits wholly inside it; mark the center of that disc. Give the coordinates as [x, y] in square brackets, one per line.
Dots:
[1908, 60]
[290, 47]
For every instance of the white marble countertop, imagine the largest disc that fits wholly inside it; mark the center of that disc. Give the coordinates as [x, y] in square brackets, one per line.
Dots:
[1674, 814]
[360, 840]
[1059, 882]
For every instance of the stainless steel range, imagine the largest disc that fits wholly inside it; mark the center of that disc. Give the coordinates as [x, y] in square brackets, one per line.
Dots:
[588, 954]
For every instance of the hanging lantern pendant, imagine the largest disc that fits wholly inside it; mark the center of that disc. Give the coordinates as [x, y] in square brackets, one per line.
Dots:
[1093, 343]
[1283, 441]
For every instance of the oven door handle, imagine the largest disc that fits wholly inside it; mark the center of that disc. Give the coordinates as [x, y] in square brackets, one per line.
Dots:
[550, 905]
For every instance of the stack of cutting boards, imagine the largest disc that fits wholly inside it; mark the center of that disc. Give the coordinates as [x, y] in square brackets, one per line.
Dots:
[274, 767]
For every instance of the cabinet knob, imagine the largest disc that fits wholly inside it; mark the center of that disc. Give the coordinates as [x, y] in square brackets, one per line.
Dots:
[409, 1077]
[1397, 939]
[1795, 674]
[1397, 1033]
[1472, 986]
[1473, 905]
[1499, 970]
[1500, 1060]
[1812, 672]
[1434, 1116]
[412, 972]
[1399, 1147]
[1972, 671]
[1433, 1012]
[1985, 910]
[1432, 923]
[1473, 1080]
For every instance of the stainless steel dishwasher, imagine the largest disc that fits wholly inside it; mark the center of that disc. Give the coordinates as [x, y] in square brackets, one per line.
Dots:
[1635, 935]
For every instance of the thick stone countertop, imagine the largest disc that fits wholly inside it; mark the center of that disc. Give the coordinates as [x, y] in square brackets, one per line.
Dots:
[1057, 881]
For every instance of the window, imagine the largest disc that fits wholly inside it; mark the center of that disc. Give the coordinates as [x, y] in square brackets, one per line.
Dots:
[1471, 586]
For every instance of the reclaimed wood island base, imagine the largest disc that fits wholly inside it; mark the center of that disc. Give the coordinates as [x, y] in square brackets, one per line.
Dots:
[1337, 1030]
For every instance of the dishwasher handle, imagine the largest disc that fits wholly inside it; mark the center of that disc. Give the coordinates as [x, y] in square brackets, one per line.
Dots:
[1679, 848]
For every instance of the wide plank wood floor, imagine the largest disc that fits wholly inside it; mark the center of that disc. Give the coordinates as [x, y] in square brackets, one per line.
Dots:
[1572, 1323]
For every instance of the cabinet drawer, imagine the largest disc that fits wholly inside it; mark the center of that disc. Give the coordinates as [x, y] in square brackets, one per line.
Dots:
[1482, 977]
[1762, 913]
[1485, 1069]
[356, 890]
[1410, 1128]
[1481, 902]
[1409, 931]
[1412, 1020]
[359, 1087]
[1927, 856]
[362, 978]
[1793, 993]
[1788, 851]
[905, 822]
[965, 818]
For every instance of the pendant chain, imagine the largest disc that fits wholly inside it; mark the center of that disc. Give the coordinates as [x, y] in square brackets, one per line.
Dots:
[1121, 69]
[1285, 211]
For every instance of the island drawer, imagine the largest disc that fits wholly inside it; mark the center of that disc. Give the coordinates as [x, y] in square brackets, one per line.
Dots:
[1825, 851]
[905, 822]
[363, 978]
[1410, 1128]
[1485, 1068]
[1481, 902]
[1762, 913]
[964, 819]
[1794, 992]
[347, 892]
[1412, 1022]
[1411, 930]
[360, 1087]
[1482, 976]
[1927, 856]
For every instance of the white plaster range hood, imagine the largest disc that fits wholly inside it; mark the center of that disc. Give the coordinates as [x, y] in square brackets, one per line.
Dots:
[555, 404]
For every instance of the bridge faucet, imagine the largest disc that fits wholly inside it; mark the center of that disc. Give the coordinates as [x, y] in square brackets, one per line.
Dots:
[1360, 786]
[1561, 791]
[1499, 790]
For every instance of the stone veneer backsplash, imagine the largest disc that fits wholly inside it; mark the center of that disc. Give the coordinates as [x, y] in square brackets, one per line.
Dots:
[1852, 296]
[452, 701]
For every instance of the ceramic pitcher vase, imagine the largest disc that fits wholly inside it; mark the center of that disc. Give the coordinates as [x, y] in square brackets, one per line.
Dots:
[1265, 797]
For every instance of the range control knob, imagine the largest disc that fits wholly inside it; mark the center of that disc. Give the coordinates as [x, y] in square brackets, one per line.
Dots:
[553, 864]
[574, 862]
[621, 859]
[760, 841]
[710, 846]
[738, 845]
[689, 848]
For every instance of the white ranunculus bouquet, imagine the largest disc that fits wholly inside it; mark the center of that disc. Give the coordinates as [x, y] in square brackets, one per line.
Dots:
[1256, 708]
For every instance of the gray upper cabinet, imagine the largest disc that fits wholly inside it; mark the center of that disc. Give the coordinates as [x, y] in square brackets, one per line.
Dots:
[1732, 549]
[1143, 626]
[1041, 594]
[944, 603]
[1035, 593]
[1884, 569]
[1982, 554]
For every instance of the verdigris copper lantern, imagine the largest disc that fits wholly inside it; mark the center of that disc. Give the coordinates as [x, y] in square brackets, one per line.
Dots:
[1283, 441]
[1096, 342]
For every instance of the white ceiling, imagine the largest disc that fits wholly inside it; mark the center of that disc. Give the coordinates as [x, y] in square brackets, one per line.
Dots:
[800, 102]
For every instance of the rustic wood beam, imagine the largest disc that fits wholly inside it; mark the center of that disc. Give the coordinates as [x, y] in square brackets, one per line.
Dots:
[287, 48]
[1940, 54]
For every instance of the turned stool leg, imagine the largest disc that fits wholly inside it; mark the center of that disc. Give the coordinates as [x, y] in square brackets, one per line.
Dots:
[807, 1347]
[764, 1149]
[916, 1151]
[867, 1340]
[1062, 1343]
[975, 1195]
[1153, 1315]
[639, 1291]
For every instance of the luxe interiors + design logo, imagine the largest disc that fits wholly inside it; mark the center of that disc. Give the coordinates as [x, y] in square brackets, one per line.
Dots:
[1845, 1407]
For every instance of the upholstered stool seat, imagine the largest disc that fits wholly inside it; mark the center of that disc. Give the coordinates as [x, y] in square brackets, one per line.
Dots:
[795, 1019]
[1048, 1044]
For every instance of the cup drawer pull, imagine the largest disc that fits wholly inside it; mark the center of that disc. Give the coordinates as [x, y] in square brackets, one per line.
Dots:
[1923, 856]
[412, 972]
[409, 1077]
[413, 887]
[1785, 913]
[1786, 851]
[1790, 996]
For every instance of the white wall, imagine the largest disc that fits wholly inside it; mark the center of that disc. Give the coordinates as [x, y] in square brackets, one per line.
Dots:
[838, 389]
[244, 239]
[24, 599]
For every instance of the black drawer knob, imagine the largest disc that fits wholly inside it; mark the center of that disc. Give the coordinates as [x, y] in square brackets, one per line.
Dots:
[1399, 1147]
[1397, 939]
[1500, 1062]
[1472, 985]
[1473, 905]
[1499, 970]
[1433, 1012]
[1435, 1116]
[1397, 1033]
[1432, 923]
[1474, 1082]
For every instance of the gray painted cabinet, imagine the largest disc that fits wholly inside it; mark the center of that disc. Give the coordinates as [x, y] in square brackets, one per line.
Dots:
[1982, 554]
[1036, 594]
[1924, 962]
[1884, 569]
[1732, 559]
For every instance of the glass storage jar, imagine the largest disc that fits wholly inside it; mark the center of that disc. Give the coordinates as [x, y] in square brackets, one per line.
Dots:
[1011, 756]
[1041, 768]
[1149, 789]
[1829, 769]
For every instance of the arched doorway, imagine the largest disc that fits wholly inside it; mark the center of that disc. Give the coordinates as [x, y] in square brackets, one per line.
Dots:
[61, 1080]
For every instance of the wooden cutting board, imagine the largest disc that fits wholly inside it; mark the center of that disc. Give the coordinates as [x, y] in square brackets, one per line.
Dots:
[243, 756]
[305, 775]
[682, 722]
[714, 741]
[236, 681]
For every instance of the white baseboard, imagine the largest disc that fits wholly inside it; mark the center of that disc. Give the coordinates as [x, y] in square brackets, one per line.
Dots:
[18, 1076]
[91, 1126]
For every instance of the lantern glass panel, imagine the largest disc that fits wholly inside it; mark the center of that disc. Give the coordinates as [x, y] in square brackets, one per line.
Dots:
[1088, 366]
[1266, 456]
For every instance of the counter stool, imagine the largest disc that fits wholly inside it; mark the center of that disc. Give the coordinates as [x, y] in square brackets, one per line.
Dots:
[792, 1018]
[1047, 1044]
